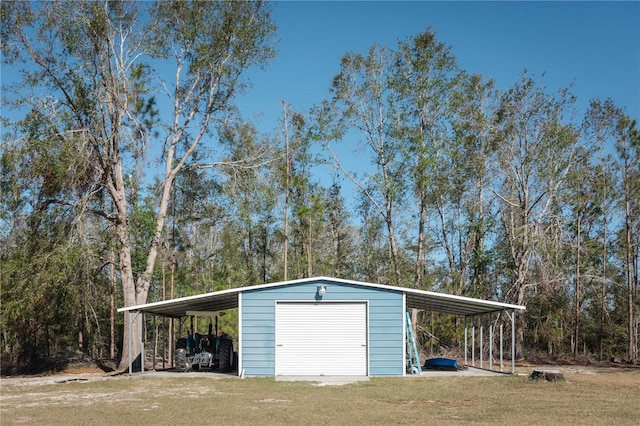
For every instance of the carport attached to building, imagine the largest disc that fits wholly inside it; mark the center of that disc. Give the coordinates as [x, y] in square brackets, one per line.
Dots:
[326, 326]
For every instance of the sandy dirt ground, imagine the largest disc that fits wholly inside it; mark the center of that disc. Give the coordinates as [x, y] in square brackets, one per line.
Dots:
[87, 374]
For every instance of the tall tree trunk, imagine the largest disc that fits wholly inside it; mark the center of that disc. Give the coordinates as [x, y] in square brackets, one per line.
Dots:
[604, 286]
[131, 348]
[80, 322]
[171, 295]
[421, 256]
[309, 248]
[388, 218]
[393, 248]
[285, 245]
[630, 279]
[519, 326]
[520, 288]
[578, 290]
[112, 305]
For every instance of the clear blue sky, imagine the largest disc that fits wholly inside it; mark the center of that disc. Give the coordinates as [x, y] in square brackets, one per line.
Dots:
[594, 46]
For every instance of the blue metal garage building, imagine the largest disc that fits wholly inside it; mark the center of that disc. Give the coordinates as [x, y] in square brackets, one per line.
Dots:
[326, 326]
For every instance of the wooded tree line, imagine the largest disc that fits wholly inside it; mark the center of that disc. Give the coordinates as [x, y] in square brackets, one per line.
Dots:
[128, 176]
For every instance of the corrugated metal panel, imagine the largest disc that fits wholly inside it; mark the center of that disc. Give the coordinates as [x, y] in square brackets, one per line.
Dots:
[385, 319]
[327, 338]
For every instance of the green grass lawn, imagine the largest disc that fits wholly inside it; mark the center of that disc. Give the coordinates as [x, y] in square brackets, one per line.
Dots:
[606, 397]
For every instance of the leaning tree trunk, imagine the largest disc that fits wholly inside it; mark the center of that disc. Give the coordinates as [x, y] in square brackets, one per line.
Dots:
[136, 292]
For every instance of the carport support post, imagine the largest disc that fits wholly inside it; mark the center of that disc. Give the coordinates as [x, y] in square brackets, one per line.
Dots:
[465, 340]
[481, 341]
[490, 345]
[164, 342]
[171, 343]
[142, 336]
[501, 345]
[155, 344]
[473, 341]
[512, 317]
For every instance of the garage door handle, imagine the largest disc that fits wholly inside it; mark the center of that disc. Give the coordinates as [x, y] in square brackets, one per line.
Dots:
[280, 345]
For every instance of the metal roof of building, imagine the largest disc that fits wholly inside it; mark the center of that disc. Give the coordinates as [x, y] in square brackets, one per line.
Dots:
[418, 299]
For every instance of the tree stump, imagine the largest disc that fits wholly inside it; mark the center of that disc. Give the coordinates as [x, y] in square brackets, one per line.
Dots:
[548, 375]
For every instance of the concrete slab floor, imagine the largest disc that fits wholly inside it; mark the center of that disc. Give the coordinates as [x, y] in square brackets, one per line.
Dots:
[320, 380]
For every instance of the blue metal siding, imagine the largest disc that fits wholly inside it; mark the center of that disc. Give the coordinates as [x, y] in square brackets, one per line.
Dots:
[385, 323]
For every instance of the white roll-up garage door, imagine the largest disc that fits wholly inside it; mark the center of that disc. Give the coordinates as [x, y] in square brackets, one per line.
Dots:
[326, 338]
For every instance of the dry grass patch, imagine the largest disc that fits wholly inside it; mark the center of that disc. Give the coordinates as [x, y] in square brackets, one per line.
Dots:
[606, 397]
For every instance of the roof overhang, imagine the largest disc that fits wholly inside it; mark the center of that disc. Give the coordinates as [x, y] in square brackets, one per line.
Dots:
[228, 299]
